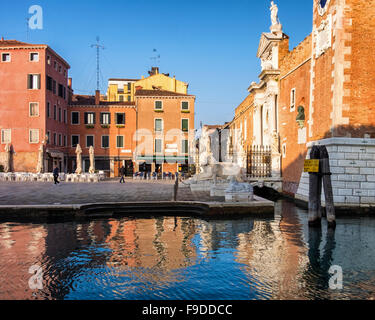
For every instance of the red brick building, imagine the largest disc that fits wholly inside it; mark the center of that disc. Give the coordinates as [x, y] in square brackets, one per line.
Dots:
[320, 93]
[33, 104]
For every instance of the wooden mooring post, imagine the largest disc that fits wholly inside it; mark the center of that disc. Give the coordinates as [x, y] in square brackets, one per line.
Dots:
[315, 190]
[175, 188]
[327, 184]
[320, 177]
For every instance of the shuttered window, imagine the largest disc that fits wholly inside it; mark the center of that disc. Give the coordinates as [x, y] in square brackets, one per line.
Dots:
[185, 125]
[33, 81]
[89, 118]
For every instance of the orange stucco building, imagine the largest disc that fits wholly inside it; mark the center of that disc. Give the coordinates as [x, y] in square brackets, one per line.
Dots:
[33, 104]
[38, 111]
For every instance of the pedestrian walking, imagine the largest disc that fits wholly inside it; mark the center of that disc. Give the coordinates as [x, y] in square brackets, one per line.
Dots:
[122, 173]
[56, 175]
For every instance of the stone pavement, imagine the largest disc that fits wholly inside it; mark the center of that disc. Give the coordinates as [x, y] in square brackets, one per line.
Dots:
[46, 193]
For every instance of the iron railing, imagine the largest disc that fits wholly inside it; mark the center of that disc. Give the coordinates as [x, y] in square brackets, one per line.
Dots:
[259, 162]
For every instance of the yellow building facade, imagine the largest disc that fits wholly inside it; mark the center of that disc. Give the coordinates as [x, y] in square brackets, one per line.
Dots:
[124, 89]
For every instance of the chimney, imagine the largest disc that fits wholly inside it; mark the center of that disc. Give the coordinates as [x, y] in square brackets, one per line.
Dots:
[97, 97]
[70, 80]
[2, 38]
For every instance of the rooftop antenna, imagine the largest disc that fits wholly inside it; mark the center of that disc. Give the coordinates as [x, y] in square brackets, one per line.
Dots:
[156, 57]
[98, 46]
[27, 29]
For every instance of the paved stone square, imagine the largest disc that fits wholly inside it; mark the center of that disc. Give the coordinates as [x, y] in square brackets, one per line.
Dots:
[40, 193]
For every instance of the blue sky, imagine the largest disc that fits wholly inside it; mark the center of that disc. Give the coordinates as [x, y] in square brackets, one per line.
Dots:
[210, 44]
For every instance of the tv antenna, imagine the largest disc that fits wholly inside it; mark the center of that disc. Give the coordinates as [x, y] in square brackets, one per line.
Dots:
[98, 46]
[156, 57]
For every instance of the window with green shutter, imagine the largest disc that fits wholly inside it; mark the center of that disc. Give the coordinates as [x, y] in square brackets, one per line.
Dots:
[158, 145]
[158, 125]
[185, 125]
[158, 105]
[120, 141]
[185, 106]
[185, 146]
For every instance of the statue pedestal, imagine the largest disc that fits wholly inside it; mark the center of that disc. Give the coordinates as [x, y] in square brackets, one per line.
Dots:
[239, 197]
[277, 28]
[218, 190]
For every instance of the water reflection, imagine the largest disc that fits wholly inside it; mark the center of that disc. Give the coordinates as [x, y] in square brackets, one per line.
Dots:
[185, 258]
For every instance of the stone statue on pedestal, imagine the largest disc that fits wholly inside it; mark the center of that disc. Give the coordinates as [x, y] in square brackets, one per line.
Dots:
[276, 26]
[92, 160]
[274, 14]
[79, 159]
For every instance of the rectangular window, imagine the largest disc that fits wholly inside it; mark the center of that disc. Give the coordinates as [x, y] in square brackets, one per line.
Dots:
[185, 125]
[120, 118]
[158, 125]
[129, 87]
[185, 146]
[60, 140]
[64, 140]
[105, 118]
[59, 114]
[48, 137]
[120, 141]
[75, 140]
[54, 86]
[55, 139]
[6, 136]
[65, 117]
[5, 57]
[64, 93]
[34, 136]
[49, 60]
[34, 57]
[61, 91]
[34, 109]
[48, 110]
[121, 98]
[158, 146]
[75, 117]
[185, 106]
[158, 105]
[105, 142]
[129, 98]
[90, 118]
[49, 83]
[54, 112]
[33, 81]
[89, 141]
[292, 99]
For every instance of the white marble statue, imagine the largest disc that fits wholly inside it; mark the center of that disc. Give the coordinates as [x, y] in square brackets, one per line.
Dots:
[274, 14]
[92, 160]
[79, 159]
[236, 187]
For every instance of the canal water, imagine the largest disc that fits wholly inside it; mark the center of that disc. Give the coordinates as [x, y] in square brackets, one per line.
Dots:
[188, 258]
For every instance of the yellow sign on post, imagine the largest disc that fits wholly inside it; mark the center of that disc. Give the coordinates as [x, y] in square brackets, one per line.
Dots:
[311, 166]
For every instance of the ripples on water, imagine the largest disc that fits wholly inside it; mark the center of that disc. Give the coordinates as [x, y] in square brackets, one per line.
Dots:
[185, 258]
